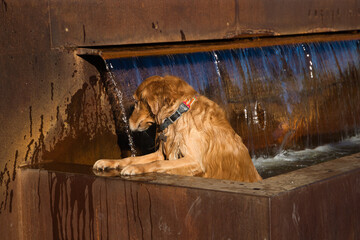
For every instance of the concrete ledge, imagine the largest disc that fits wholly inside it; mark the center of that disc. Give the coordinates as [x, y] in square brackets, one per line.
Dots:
[64, 201]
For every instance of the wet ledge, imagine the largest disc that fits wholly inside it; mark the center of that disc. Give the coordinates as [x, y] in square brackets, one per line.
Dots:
[268, 187]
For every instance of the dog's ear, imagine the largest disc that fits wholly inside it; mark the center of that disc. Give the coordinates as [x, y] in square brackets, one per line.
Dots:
[153, 103]
[158, 97]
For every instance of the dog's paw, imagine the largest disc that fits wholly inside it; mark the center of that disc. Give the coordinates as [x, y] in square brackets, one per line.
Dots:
[133, 170]
[103, 164]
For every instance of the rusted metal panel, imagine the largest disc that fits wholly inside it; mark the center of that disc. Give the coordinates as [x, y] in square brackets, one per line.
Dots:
[324, 210]
[66, 201]
[84, 23]
[319, 202]
[68, 205]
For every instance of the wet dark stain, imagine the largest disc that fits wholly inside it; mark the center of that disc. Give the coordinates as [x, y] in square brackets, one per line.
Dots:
[183, 38]
[133, 203]
[93, 80]
[76, 193]
[5, 179]
[2, 174]
[52, 91]
[38, 192]
[28, 149]
[138, 215]
[155, 25]
[11, 199]
[127, 210]
[5, 6]
[75, 109]
[73, 75]
[150, 215]
[82, 149]
[138, 203]
[30, 117]
[84, 34]
[57, 113]
[107, 212]
[15, 161]
[40, 144]
[88, 128]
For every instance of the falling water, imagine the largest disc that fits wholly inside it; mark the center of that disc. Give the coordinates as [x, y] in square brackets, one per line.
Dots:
[111, 84]
[278, 99]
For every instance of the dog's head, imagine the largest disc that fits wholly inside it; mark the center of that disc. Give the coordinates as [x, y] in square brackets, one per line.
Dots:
[157, 98]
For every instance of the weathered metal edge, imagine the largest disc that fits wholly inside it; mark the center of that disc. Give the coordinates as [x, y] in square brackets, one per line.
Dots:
[266, 188]
[125, 51]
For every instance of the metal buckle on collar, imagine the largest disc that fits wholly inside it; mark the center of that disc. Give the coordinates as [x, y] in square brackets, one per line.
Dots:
[175, 116]
[170, 120]
[181, 109]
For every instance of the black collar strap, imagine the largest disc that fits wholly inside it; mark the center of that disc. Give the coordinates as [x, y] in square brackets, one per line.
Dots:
[184, 107]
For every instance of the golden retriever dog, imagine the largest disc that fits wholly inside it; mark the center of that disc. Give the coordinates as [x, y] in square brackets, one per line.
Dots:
[195, 138]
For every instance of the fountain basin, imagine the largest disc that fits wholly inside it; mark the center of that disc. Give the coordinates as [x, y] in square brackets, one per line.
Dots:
[318, 202]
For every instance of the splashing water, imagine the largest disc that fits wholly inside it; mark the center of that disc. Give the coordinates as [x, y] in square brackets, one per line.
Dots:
[120, 104]
[308, 57]
[289, 160]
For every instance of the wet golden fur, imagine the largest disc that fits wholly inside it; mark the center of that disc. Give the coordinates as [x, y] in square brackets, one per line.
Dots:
[201, 142]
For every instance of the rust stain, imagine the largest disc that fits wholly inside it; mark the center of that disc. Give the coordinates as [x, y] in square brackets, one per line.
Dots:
[5, 5]
[84, 34]
[80, 207]
[5, 179]
[87, 126]
[15, 165]
[28, 149]
[183, 37]
[52, 91]
[30, 118]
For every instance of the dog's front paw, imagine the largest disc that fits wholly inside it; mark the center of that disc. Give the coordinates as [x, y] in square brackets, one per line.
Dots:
[133, 170]
[104, 164]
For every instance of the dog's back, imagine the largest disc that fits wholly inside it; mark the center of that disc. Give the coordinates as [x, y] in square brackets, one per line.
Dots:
[209, 136]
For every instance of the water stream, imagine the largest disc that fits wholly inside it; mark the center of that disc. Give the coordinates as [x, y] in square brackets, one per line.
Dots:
[118, 107]
[282, 100]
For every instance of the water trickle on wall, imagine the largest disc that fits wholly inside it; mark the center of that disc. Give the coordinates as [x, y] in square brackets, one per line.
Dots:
[276, 98]
[118, 107]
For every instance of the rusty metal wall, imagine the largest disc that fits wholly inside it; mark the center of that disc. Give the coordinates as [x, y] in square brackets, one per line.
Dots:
[50, 99]
[94, 23]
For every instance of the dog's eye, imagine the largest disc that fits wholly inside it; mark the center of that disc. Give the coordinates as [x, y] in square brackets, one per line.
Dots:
[136, 103]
